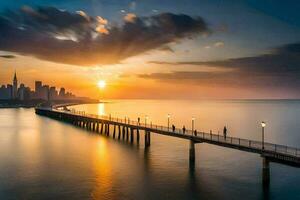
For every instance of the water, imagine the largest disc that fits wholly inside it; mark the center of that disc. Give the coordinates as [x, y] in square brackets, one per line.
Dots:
[41, 158]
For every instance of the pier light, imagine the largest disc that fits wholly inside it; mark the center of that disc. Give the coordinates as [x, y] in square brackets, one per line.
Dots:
[263, 125]
[168, 121]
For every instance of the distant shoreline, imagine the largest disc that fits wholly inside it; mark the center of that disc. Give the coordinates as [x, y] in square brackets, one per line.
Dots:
[32, 104]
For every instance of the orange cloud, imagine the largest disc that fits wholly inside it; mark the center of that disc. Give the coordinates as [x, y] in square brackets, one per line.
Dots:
[130, 17]
[101, 20]
[101, 29]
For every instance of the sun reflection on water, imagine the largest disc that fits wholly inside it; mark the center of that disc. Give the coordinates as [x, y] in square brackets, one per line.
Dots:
[103, 171]
[101, 109]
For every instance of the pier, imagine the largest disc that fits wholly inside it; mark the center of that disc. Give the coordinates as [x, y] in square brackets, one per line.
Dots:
[131, 131]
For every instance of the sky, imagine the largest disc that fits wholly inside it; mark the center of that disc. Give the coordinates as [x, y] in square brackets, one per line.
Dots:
[153, 49]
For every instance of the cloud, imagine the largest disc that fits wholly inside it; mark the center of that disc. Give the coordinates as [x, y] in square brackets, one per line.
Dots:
[83, 14]
[130, 17]
[166, 49]
[7, 56]
[102, 29]
[219, 44]
[102, 20]
[279, 68]
[71, 38]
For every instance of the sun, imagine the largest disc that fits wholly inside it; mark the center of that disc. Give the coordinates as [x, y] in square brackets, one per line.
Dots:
[101, 84]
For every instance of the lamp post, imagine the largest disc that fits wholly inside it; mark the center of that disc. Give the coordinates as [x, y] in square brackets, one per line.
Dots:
[263, 124]
[168, 121]
[193, 121]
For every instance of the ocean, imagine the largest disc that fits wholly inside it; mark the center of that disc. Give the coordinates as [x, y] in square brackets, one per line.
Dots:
[41, 158]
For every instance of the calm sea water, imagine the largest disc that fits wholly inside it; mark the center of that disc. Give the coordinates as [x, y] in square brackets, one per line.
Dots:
[41, 158]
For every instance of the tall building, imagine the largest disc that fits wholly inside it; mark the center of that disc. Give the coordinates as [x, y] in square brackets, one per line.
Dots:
[52, 93]
[5, 93]
[10, 91]
[23, 93]
[62, 93]
[45, 92]
[15, 86]
[38, 89]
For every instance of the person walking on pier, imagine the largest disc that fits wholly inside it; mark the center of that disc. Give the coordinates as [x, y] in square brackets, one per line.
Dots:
[195, 132]
[173, 127]
[225, 132]
[183, 129]
[139, 119]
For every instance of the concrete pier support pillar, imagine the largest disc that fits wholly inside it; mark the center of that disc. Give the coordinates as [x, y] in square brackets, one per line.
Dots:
[266, 171]
[94, 126]
[114, 133]
[108, 125]
[137, 135]
[101, 131]
[147, 138]
[90, 126]
[97, 127]
[127, 133]
[192, 151]
[119, 132]
[123, 132]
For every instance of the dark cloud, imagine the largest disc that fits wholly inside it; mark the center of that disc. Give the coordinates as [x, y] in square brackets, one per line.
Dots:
[166, 49]
[76, 38]
[7, 56]
[279, 68]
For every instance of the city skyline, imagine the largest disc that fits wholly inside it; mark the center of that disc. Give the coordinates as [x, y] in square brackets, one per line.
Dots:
[21, 92]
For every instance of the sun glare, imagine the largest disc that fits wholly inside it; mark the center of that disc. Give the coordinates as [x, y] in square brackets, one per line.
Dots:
[101, 84]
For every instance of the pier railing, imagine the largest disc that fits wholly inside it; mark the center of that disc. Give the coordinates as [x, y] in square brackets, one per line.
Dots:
[212, 137]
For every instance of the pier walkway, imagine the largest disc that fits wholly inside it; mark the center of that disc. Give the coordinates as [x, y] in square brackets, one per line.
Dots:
[130, 130]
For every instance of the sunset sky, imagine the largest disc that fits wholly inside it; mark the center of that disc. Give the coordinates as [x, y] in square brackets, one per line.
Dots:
[183, 49]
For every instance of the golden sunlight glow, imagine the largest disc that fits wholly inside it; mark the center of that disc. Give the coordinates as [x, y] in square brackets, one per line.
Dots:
[101, 109]
[101, 84]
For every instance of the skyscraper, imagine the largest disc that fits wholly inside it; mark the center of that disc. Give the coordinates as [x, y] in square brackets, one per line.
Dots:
[52, 93]
[15, 86]
[45, 92]
[38, 89]
[62, 93]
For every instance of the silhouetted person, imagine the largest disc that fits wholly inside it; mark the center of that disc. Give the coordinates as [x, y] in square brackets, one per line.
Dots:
[183, 129]
[225, 132]
[173, 127]
[139, 119]
[195, 132]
